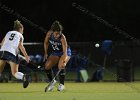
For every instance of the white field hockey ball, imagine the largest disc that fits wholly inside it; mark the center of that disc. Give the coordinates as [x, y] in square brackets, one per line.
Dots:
[97, 45]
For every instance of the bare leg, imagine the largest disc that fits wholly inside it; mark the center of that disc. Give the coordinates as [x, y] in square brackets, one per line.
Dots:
[2, 64]
[52, 60]
[14, 70]
[19, 75]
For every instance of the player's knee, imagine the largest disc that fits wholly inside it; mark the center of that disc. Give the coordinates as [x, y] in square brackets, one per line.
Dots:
[47, 67]
[61, 65]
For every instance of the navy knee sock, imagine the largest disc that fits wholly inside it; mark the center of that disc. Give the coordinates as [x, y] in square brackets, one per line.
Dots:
[62, 76]
[49, 74]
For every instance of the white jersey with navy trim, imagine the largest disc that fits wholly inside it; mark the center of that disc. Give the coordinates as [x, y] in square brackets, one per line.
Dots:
[11, 42]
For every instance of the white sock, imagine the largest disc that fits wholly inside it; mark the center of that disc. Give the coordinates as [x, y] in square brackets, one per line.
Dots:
[19, 75]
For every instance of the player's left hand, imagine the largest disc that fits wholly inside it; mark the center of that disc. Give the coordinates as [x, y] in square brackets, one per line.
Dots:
[27, 59]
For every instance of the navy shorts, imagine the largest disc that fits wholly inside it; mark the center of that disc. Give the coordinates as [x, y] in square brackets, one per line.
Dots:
[5, 55]
[61, 53]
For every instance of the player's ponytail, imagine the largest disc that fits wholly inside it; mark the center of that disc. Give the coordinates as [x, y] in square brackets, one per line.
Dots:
[17, 25]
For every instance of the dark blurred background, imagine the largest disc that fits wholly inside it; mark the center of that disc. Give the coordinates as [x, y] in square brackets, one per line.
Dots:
[78, 27]
[114, 20]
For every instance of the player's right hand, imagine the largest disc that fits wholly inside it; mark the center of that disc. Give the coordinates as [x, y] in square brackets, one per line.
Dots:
[45, 57]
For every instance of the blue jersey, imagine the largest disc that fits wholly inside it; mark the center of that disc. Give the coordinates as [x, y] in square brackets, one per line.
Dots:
[56, 46]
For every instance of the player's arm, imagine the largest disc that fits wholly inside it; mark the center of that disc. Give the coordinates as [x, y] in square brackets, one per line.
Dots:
[2, 41]
[23, 50]
[46, 44]
[64, 46]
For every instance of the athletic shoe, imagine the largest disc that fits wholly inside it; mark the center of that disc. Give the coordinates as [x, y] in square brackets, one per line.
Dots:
[52, 84]
[25, 81]
[61, 87]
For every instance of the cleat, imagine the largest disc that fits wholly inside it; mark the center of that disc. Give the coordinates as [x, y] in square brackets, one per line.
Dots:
[25, 81]
[61, 87]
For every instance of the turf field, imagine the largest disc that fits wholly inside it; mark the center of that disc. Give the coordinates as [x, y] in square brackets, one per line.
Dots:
[74, 91]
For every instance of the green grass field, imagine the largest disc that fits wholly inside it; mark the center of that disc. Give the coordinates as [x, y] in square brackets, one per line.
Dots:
[74, 91]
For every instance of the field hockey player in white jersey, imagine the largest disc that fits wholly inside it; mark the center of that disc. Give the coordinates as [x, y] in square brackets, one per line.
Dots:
[10, 46]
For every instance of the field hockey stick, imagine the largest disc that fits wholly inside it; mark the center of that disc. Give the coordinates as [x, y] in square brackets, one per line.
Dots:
[34, 64]
[30, 62]
[46, 88]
